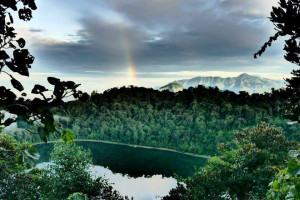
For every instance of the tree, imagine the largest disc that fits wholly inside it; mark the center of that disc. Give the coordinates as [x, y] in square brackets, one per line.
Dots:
[35, 115]
[15, 158]
[285, 18]
[69, 176]
[242, 173]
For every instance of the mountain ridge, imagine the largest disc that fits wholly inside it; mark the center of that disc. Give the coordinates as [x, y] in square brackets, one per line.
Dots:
[243, 82]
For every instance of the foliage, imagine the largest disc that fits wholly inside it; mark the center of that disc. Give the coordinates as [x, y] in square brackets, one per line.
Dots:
[287, 182]
[285, 18]
[242, 173]
[35, 115]
[78, 196]
[15, 158]
[194, 120]
[67, 177]
[68, 174]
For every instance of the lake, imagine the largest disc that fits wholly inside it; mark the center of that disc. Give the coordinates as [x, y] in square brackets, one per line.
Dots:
[139, 172]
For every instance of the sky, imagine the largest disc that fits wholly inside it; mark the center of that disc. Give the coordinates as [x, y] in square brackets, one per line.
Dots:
[111, 43]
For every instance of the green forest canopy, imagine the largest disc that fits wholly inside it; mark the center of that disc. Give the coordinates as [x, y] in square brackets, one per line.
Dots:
[194, 120]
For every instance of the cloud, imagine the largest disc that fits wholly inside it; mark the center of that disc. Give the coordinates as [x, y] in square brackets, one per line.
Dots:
[35, 30]
[164, 35]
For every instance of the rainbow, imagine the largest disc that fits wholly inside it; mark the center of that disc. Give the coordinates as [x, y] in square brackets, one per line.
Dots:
[127, 48]
[129, 60]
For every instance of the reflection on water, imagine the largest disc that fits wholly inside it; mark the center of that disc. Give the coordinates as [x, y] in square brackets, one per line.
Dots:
[144, 188]
[141, 188]
[136, 172]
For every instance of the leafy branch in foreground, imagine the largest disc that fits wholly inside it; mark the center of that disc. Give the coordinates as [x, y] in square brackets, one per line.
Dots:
[287, 183]
[67, 177]
[15, 158]
[286, 18]
[34, 115]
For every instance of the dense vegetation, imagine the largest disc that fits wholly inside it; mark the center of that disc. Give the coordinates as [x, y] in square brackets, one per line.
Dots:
[68, 176]
[194, 120]
[287, 182]
[240, 173]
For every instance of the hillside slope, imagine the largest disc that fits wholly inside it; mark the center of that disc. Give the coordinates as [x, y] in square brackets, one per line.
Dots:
[193, 120]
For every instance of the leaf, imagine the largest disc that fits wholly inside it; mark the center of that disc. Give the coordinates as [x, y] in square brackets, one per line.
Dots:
[68, 136]
[38, 89]
[17, 109]
[53, 81]
[25, 14]
[292, 167]
[16, 84]
[23, 123]
[43, 133]
[71, 85]
[9, 121]
[48, 121]
[3, 55]
[21, 42]
[275, 185]
[19, 159]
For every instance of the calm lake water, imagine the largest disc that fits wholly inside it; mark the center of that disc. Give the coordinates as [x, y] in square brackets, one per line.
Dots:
[138, 172]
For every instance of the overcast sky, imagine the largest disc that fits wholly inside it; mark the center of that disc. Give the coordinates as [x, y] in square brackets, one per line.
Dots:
[106, 43]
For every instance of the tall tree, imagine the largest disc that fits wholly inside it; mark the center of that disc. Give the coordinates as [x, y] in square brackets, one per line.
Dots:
[286, 19]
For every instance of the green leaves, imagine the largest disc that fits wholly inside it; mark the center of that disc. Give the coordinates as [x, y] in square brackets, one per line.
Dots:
[78, 196]
[48, 121]
[19, 60]
[43, 133]
[287, 183]
[293, 166]
[244, 172]
[68, 136]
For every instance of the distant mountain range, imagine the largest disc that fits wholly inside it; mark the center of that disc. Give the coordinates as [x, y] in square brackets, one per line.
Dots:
[243, 82]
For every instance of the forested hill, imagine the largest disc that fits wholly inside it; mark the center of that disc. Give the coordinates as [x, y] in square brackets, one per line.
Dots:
[193, 120]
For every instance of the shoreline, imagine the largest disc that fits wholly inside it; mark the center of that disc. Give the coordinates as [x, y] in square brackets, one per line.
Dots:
[130, 145]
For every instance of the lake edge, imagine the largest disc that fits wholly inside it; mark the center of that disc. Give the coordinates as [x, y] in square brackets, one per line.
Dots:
[130, 145]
